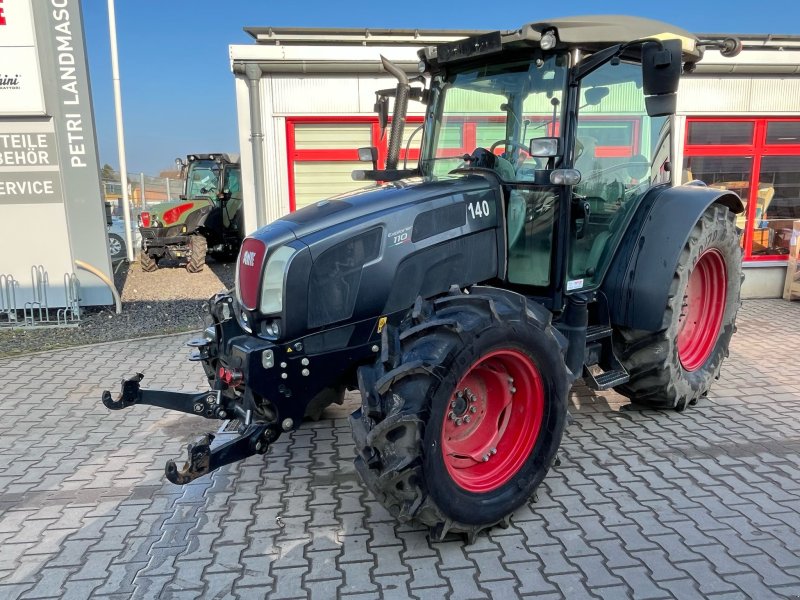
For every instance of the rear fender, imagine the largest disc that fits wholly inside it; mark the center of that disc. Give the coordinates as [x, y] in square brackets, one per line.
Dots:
[638, 280]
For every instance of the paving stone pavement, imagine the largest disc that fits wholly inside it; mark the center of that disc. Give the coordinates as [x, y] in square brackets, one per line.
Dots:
[645, 503]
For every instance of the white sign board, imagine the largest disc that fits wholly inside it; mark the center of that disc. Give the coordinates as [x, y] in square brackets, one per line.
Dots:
[20, 79]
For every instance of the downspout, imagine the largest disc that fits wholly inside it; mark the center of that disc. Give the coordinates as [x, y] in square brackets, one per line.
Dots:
[253, 73]
[399, 116]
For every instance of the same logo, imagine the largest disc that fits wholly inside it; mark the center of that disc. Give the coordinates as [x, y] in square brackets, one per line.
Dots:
[249, 258]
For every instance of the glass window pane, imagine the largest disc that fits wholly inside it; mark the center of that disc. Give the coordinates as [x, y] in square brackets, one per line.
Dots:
[620, 152]
[778, 204]
[317, 180]
[720, 132]
[607, 133]
[725, 173]
[332, 136]
[531, 218]
[783, 132]
[487, 134]
[450, 136]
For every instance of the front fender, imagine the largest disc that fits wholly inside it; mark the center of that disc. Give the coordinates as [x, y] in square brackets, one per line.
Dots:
[638, 280]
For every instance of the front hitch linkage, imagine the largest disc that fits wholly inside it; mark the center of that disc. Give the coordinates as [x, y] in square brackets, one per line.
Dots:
[203, 459]
[255, 438]
[205, 404]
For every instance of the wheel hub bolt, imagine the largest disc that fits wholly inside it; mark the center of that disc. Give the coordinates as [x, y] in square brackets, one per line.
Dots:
[513, 390]
[473, 409]
[452, 416]
[493, 451]
[453, 404]
[458, 422]
[485, 458]
[467, 419]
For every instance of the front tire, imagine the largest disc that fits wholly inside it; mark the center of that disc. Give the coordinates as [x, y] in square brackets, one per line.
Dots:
[676, 366]
[148, 263]
[463, 414]
[198, 247]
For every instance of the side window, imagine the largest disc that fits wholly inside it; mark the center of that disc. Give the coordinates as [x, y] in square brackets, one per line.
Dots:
[621, 153]
[531, 218]
[234, 183]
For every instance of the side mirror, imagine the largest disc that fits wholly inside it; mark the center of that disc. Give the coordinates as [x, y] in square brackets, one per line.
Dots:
[369, 154]
[595, 95]
[544, 147]
[382, 108]
[661, 73]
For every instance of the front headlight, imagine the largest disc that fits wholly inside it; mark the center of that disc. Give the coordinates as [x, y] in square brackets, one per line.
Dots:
[272, 283]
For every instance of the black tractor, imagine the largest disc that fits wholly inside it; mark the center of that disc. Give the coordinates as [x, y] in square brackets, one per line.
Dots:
[206, 220]
[541, 239]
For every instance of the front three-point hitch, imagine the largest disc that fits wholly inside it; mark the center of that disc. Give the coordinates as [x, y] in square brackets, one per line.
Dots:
[253, 438]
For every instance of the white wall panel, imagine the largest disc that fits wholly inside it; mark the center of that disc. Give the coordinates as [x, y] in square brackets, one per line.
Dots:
[708, 95]
[280, 166]
[368, 85]
[248, 187]
[775, 96]
[314, 94]
[274, 146]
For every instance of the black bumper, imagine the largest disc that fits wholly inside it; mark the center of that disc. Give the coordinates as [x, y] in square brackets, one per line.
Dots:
[161, 237]
[291, 374]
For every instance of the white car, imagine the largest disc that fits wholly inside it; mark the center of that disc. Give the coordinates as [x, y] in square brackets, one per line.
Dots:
[116, 238]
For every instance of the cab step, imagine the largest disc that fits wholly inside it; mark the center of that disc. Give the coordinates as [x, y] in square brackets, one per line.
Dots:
[606, 379]
[597, 332]
[602, 369]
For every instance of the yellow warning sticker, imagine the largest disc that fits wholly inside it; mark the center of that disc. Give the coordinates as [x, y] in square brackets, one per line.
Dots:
[381, 323]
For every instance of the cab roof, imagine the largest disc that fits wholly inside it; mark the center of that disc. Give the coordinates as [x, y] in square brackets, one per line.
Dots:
[589, 33]
[594, 32]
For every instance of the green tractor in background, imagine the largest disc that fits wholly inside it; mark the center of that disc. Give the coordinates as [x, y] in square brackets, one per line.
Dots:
[205, 221]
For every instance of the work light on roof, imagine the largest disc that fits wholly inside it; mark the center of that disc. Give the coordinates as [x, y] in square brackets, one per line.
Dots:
[548, 41]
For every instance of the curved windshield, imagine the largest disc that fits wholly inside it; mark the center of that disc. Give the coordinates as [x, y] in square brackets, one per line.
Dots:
[202, 179]
[487, 116]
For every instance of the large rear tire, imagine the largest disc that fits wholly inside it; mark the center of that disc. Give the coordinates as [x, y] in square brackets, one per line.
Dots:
[674, 367]
[198, 247]
[463, 413]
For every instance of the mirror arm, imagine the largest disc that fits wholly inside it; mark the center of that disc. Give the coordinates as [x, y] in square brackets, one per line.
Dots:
[594, 62]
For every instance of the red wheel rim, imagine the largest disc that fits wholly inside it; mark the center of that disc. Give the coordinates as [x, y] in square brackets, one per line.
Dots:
[493, 421]
[702, 310]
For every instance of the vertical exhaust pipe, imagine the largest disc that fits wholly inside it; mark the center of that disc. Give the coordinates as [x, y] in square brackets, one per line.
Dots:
[399, 116]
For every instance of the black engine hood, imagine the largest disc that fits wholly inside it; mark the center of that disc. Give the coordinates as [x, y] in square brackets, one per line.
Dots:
[372, 201]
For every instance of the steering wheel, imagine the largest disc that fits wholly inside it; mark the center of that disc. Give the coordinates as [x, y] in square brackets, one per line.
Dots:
[508, 142]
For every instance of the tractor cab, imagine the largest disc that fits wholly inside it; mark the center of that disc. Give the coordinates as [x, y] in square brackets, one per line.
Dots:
[218, 178]
[571, 118]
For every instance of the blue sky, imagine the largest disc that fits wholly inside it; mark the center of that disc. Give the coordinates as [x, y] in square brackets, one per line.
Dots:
[177, 88]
